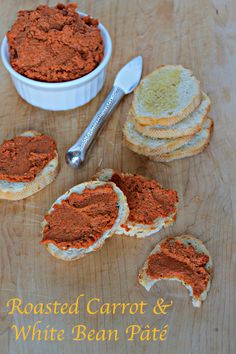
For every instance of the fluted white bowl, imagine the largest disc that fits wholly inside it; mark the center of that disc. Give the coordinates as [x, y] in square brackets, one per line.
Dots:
[61, 96]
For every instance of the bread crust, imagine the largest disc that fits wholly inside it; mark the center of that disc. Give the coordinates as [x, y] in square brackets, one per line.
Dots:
[143, 145]
[183, 151]
[73, 253]
[176, 130]
[169, 120]
[21, 190]
[148, 282]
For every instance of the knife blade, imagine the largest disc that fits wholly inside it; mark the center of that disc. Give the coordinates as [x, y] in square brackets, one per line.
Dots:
[129, 76]
[125, 82]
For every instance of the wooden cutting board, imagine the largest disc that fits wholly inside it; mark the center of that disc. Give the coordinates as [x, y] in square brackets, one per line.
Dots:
[201, 35]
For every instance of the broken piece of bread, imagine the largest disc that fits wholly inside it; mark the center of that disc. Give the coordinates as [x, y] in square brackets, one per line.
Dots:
[184, 259]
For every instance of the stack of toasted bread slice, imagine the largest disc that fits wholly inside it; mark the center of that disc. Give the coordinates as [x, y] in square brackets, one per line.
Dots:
[168, 119]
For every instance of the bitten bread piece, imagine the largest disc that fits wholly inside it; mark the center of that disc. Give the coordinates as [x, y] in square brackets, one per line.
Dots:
[183, 258]
[190, 125]
[82, 219]
[151, 206]
[195, 146]
[12, 190]
[166, 96]
[146, 146]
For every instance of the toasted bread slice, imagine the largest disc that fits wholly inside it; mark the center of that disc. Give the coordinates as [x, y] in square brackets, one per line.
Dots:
[166, 96]
[190, 125]
[195, 146]
[22, 190]
[146, 146]
[72, 254]
[187, 240]
[131, 228]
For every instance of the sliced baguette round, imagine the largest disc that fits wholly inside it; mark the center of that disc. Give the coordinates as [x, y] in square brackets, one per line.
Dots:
[166, 96]
[146, 146]
[131, 228]
[72, 254]
[198, 245]
[22, 190]
[188, 126]
[195, 146]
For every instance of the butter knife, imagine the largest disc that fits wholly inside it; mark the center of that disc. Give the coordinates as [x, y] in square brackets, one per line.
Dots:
[125, 82]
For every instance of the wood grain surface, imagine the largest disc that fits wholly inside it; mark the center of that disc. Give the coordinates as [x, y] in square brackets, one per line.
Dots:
[201, 35]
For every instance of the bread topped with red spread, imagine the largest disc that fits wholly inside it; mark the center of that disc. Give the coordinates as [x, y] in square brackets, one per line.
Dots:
[182, 258]
[82, 219]
[28, 163]
[151, 206]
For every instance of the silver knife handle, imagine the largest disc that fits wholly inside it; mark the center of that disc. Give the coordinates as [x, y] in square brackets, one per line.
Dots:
[76, 154]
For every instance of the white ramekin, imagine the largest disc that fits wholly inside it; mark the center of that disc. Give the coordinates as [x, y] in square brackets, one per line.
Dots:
[62, 95]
